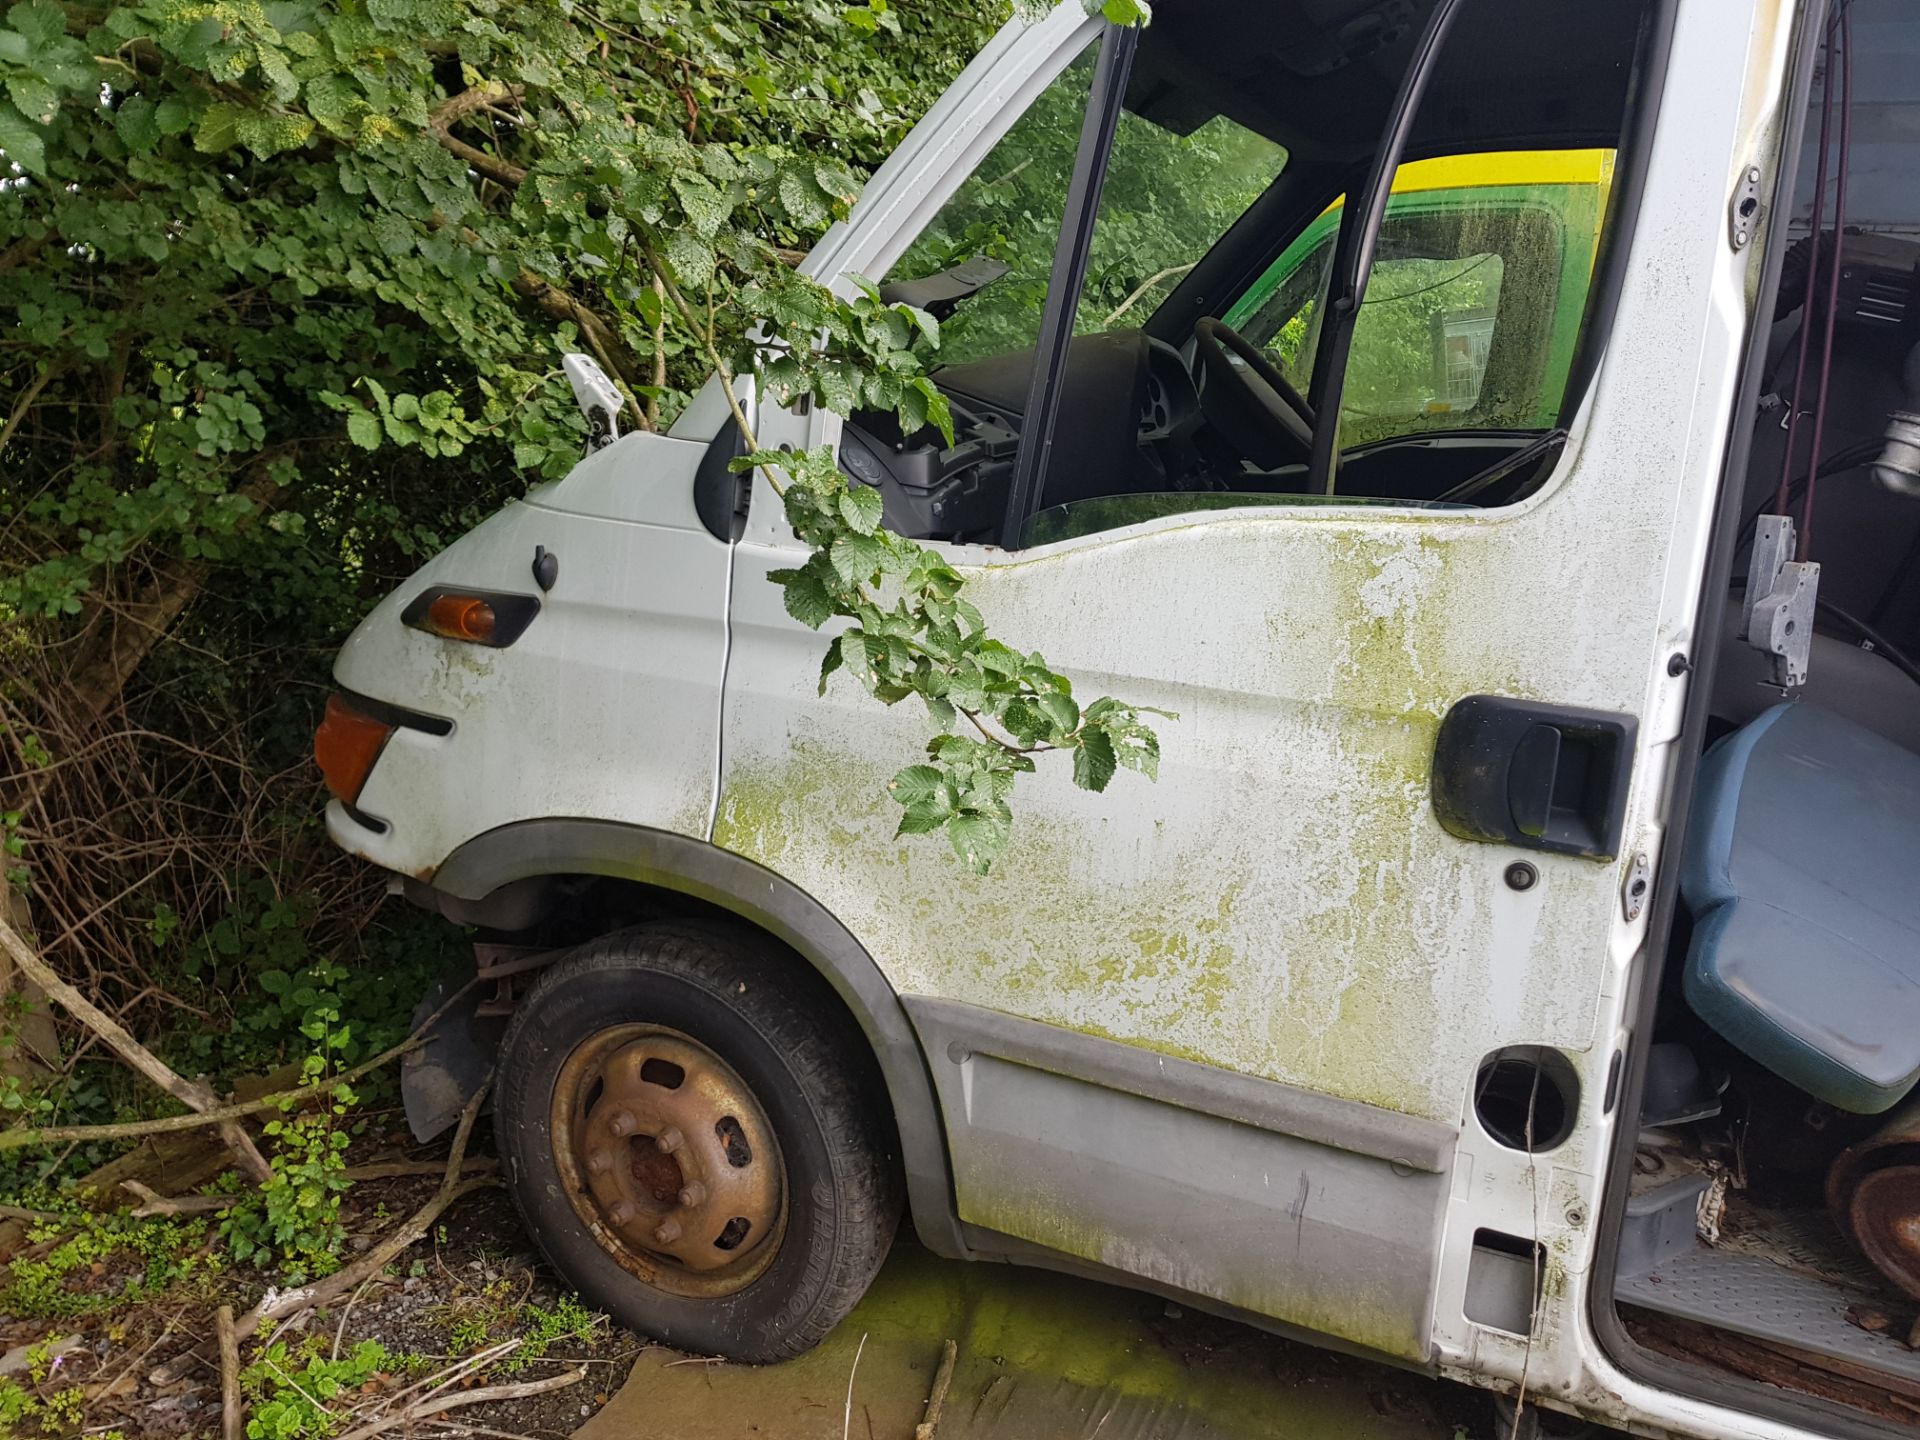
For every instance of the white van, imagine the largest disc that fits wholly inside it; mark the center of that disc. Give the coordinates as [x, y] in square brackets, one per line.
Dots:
[1515, 971]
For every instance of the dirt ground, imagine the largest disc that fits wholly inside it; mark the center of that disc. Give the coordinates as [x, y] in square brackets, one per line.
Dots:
[1038, 1355]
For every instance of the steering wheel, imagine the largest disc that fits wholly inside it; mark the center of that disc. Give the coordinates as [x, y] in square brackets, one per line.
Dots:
[1252, 405]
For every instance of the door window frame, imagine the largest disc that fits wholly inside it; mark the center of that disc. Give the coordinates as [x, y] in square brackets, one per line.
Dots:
[1294, 194]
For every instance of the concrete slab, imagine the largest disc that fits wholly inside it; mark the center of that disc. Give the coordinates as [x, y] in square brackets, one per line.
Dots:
[1040, 1356]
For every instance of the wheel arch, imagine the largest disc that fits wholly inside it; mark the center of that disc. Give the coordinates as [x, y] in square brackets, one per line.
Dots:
[530, 849]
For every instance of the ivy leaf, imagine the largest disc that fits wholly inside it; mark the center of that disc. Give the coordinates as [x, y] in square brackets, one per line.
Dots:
[1093, 760]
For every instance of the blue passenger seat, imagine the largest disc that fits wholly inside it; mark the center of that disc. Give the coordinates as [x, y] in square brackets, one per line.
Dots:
[1802, 873]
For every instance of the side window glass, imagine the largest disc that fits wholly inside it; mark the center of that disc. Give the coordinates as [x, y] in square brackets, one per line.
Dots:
[1168, 197]
[1473, 309]
[1007, 211]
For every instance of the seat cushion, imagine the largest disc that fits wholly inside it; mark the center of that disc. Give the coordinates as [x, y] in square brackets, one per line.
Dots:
[1802, 873]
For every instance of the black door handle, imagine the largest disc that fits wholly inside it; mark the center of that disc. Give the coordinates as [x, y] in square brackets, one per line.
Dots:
[1546, 777]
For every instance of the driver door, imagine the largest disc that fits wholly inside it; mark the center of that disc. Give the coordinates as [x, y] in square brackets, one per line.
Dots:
[1250, 1033]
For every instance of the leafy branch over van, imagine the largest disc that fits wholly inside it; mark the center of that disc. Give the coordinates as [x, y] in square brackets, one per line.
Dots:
[915, 633]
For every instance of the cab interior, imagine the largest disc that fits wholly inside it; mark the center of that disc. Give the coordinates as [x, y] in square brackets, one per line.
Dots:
[1772, 1227]
[1187, 383]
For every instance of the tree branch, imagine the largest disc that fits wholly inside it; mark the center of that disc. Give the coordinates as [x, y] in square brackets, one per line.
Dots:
[193, 1095]
[135, 1129]
[25, 403]
[450, 112]
[485, 1395]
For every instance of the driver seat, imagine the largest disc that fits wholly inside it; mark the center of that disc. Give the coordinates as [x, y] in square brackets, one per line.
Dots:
[1800, 873]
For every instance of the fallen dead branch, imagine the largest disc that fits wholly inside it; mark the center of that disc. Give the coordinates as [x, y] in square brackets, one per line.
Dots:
[486, 1394]
[937, 1397]
[153, 1204]
[279, 1305]
[220, 1114]
[39, 1217]
[232, 1418]
[192, 1094]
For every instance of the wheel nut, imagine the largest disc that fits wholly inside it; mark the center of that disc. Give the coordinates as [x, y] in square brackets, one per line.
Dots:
[620, 1212]
[669, 1139]
[599, 1162]
[694, 1194]
[622, 1123]
[667, 1231]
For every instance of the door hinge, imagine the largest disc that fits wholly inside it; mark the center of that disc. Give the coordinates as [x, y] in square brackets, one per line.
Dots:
[1781, 594]
[1743, 212]
[1637, 885]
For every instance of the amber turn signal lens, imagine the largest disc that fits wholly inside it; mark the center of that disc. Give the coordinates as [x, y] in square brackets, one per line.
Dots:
[461, 617]
[346, 745]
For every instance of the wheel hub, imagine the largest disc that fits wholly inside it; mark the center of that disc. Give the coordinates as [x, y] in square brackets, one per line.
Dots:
[675, 1155]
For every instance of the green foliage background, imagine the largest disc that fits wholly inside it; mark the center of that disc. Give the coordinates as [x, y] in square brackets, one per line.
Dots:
[286, 286]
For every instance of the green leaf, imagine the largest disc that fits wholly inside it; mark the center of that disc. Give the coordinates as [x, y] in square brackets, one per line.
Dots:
[21, 140]
[1059, 709]
[363, 428]
[41, 21]
[394, 234]
[218, 127]
[139, 130]
[853, 649]
[173, 115]
[807, 599]
[861, 507]
[1093, 760]
[917, 784]
[829, 662]
[691, 260]
[923, 819]
[36, 99]
[706, 207]
[978, 840]
[856, 557]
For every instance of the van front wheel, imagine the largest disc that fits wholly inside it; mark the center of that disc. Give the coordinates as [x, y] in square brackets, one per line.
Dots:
[684, 1130]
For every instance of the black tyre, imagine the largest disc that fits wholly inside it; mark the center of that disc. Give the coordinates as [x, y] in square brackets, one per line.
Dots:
[687, 1125]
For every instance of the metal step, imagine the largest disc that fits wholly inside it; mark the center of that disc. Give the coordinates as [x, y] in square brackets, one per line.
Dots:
[1745, 1293]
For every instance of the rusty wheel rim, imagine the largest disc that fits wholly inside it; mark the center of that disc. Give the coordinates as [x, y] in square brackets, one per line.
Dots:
[1885, 1217]
[669, 1160]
